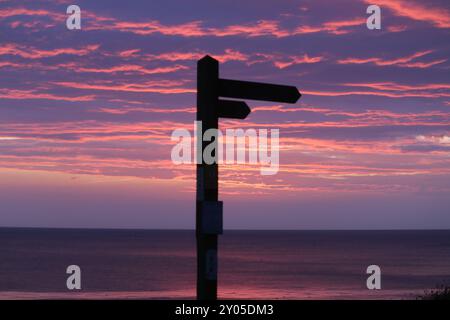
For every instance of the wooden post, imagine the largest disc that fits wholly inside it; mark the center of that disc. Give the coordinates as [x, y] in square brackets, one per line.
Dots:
[209, 211]
[207, 178]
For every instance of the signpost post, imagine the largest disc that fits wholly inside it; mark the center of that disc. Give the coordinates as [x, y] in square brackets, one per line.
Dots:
[209, 210]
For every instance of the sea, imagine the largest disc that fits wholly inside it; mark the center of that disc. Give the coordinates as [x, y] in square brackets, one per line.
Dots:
[161, 264]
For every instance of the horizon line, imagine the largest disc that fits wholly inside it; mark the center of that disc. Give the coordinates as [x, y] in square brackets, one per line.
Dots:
[193, 229]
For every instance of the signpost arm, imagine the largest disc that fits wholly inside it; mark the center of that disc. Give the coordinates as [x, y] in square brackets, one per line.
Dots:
[258, 91]
[207, 178]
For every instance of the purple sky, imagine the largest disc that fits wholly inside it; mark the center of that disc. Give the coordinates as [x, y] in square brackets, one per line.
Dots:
[86, 115]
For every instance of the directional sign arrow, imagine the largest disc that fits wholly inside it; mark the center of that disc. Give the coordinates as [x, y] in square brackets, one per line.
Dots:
[258, 91]
[233, 109]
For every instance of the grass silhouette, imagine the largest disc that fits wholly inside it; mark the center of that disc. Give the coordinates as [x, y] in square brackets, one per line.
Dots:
[442, 292]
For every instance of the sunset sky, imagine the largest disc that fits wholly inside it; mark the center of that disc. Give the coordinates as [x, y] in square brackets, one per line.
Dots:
[86, 115]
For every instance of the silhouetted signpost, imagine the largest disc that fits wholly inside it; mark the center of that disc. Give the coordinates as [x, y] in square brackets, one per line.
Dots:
[209, 210]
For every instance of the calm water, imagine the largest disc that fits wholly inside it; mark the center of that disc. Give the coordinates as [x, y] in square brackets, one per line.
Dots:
[252, 264]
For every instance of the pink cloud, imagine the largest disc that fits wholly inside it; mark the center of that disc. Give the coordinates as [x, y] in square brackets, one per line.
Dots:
[261, 28]
[397, 28]
[162, 87]
[439, 17]
[301, 59]
[392, 86]
[373, 93]
[34, 53]
[132, 69]
[402, 61]
[12, 12]
[31, 94]
[423, 65]
[128, 53]
[335, 27]
[227, 55]
[147, 110]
